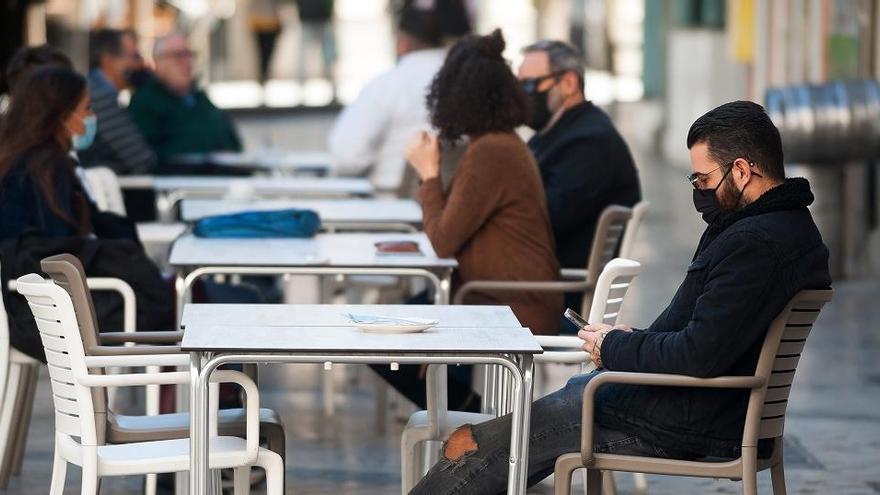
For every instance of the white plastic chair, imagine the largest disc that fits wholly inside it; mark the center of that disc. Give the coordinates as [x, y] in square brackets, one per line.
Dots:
[627, 244]
[104, 186]
[608, 296]
[19, 374]
[75, 431]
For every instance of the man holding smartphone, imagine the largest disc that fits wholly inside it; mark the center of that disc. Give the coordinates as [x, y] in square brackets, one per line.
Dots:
[759, 249]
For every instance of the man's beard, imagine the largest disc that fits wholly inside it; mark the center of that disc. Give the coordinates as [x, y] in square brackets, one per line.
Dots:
[729, 197]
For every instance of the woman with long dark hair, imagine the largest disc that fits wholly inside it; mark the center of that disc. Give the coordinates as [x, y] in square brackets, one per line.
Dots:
[40, 193]
[493, 219]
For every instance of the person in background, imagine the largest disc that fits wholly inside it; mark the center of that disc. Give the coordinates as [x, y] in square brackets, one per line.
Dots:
[28, 58]
[316, 29]
[493, 220]
[266, 26]
[49, 115]
[174, 115]
[759, 249]
[370, 135]
[585, 163]
[119, 144]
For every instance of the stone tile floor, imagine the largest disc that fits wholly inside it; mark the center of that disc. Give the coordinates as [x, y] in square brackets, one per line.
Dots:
[832, 430]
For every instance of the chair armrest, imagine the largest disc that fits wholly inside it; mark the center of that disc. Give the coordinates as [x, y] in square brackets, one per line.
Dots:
[651, 379]
[566, 341]
[252, 395]
[140, 350]
[125, 360]
[572, 353]
[141, 337]
[516, 285]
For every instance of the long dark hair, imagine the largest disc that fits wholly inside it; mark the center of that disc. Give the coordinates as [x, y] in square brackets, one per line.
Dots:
[33, 129]
[475, 91]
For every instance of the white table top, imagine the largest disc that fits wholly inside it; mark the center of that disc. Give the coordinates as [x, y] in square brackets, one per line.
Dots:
[322, 315]
[330, 210]
[261, 159]
[338, 250]
[299, 336]
[258, 186]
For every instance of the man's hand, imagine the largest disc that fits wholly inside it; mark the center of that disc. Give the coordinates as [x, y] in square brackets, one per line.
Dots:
[423, 154]
[593, 335]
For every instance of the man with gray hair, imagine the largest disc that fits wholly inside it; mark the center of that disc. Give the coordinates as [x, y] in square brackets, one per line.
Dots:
[585, 163]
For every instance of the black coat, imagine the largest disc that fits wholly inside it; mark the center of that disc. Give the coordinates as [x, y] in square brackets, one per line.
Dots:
[118, 258]
[585, 166]
[746, 269]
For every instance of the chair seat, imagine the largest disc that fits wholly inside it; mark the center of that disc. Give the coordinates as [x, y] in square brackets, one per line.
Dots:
[155, 232]
[719, 468]
[166, 456]
[127, 429]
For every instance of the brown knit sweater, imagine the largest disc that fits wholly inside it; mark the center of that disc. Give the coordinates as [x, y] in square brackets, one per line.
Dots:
[494, 221]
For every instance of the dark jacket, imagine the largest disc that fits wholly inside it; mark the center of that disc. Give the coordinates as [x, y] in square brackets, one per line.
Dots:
[585, 166]
[747, 267]
[172, 124]
[117, 258]
[26, 210]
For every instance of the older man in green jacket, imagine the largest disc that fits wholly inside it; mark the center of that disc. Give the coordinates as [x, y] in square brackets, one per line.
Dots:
[174, 115]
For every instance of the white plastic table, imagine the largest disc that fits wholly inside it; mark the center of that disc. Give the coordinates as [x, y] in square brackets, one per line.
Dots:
[172, 189]
[277, 161]
[317, 334]
[324, 254]
[333, 212]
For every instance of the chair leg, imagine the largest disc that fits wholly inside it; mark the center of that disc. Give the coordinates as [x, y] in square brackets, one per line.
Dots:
[59, 474]
[407, 463]
[565, 467]
[242, 481]
[277, 442]
[7, 419]
[641, 483]
[750, 470]
[25, 424]
[594, 482]
[609, 486]
[89, 475]
[274, 467]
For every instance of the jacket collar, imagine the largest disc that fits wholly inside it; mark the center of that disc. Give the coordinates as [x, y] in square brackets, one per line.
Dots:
[793, 194]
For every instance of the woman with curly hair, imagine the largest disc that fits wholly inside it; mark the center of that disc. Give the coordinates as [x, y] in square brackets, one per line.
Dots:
[493, 219]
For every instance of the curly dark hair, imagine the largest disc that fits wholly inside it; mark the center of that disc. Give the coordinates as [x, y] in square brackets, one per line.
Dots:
[475, 91]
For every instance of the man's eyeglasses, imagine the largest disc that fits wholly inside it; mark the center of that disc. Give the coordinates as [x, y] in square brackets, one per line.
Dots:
[179, 54]
[699, 180]
[531, 85]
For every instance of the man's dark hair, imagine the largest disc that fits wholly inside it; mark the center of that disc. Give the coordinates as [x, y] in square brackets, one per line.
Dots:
[475, 92]
[28, 58]
[420, 24]
[740, 129]
[104, 41]
[563, 57]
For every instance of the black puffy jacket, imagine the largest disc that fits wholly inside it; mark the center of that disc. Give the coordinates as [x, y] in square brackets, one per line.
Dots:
[747, 267]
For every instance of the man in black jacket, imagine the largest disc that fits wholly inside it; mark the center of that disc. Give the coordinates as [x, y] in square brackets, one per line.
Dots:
[585, 163]
[760, 248]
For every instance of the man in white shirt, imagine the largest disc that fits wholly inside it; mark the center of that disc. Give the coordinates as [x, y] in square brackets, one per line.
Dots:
[370, 135]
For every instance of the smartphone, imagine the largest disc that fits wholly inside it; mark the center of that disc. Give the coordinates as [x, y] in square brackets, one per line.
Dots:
[575, 318]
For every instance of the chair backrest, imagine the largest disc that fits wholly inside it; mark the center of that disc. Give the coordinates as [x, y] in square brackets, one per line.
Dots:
[778, 362]
[632, 228]
[615, 280]
[56, 322]
[606, 238]
[67, 272]
[105, 187]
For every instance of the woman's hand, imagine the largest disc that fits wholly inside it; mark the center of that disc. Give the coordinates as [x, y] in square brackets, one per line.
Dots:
[423, 154]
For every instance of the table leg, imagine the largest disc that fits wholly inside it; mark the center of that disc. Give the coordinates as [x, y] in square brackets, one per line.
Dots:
[196, 418]
[519, 437]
